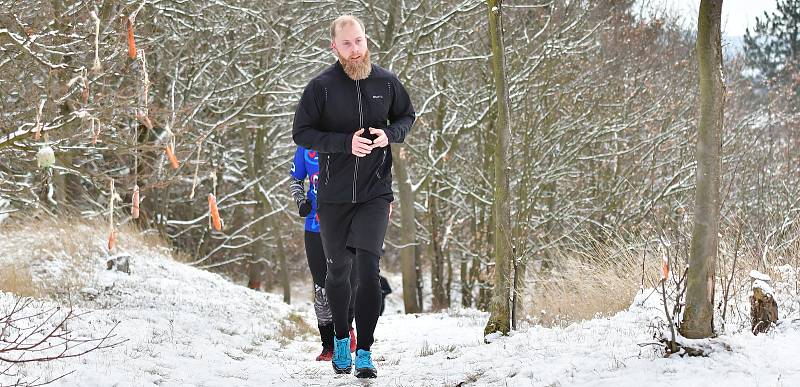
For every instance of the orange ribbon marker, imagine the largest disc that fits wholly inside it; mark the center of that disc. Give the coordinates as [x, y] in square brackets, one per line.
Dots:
[135, 202]
[212, 207]
[112, 240]
[171, 156]
[131, 41]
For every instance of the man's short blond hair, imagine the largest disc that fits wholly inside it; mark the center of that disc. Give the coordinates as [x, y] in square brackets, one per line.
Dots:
[342, 21]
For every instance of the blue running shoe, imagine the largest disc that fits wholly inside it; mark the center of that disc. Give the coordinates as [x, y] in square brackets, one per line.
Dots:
[342, 362]
[364, 366]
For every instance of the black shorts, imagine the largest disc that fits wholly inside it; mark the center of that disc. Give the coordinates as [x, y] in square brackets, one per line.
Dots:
[345, 227]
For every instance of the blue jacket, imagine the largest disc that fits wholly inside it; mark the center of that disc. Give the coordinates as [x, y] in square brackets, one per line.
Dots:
[306, 164]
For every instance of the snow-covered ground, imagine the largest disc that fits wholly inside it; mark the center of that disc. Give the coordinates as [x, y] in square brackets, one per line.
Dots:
[188, 327]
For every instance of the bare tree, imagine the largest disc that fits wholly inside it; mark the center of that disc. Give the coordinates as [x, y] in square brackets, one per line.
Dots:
[698, 317]
[499, 320]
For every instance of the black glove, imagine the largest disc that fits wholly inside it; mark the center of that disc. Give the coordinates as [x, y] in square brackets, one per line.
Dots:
[304, 207]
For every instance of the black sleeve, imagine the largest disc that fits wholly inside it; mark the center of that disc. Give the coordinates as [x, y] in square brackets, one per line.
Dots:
[306, 129]
[401, 114]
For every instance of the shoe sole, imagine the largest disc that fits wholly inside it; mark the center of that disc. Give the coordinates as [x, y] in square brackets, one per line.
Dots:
[366, 373]
[341, 370]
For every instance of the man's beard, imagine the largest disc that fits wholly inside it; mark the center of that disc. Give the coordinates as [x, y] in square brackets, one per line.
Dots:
[357, 69]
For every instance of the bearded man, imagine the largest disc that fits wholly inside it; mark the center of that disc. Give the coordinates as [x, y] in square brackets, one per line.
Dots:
[350, 113]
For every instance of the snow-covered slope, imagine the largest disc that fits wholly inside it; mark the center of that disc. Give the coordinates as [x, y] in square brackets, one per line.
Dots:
[188, 327]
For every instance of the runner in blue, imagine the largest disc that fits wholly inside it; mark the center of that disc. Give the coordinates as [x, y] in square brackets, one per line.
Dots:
[306, 165]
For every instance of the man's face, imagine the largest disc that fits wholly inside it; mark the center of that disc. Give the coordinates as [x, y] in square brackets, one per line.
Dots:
[350, 44]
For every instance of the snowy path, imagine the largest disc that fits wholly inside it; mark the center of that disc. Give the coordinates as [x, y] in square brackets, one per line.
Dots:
[187, 327]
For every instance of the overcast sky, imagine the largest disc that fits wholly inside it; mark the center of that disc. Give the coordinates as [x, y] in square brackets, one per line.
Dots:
[736, 14]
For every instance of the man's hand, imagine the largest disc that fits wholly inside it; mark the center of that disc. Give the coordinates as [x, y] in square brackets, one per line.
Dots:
[304, 207]
[361, 146]
[381, 140]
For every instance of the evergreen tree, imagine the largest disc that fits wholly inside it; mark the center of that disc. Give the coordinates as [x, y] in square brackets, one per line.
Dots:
[772, 48]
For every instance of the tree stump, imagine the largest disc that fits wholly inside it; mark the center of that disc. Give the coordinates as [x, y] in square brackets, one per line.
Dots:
[763, 308]
[119, 263]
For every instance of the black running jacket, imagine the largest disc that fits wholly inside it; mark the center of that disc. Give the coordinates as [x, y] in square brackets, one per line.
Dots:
[331, 109]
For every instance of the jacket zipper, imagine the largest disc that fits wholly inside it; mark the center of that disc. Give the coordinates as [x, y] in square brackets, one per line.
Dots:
[361, 125]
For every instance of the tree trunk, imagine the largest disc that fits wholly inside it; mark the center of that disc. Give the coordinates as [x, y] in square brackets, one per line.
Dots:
[698, 318]
[439, 287]
[499, 319]
[448, 285]
[284, 265]
[466, 283]
[481, 271]
[257, 265]
[409, 252]
[418, 269]
[439, 300]
[518, 291]
[408, 235]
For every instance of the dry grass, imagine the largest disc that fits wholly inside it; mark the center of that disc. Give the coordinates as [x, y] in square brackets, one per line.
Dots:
[428, 350]
[294, 327]
[604, 281]
[56, 257]
[17, 281]
[586, 285]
